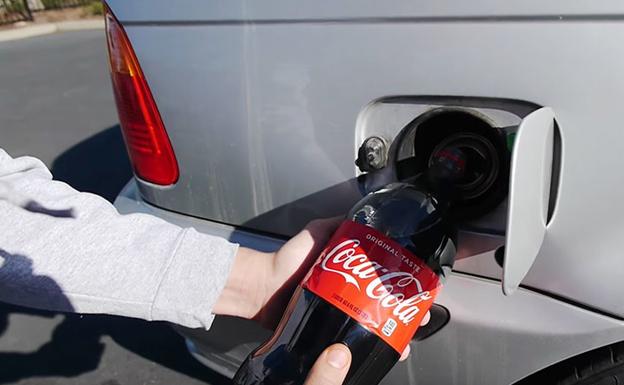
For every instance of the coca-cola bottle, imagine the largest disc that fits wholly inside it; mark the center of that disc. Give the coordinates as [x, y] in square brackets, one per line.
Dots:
[371, 286]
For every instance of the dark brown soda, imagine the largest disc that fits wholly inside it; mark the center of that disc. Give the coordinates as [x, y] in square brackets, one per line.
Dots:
[401, 212]
[312, 325]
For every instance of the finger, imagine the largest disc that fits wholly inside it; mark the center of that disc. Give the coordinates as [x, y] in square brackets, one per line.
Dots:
[322, 229]
[325, 223]
[308, 243]
[405, 353]
[407, 350]
[314, 235]
[425, 319]
[331, 367]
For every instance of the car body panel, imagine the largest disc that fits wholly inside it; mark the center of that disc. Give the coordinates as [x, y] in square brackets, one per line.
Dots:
[227, 11]
[259, 103]
[266, 104]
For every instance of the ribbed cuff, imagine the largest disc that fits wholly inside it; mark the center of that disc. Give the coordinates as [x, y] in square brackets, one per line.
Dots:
[193, 280]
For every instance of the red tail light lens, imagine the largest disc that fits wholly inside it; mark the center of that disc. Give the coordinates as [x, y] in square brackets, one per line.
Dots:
[148, 145]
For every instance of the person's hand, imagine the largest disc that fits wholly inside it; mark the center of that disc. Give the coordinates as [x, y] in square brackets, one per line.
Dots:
[261, 284]
[331, 367]
[289, 265]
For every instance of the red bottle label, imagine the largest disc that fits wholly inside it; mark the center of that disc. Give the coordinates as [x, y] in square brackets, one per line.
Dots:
[375, 281]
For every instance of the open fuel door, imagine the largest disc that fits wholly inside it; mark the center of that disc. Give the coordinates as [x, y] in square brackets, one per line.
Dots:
[529, 194]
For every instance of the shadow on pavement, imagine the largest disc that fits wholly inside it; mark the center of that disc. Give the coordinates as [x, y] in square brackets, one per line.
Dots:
[98, 165]
[46, 360]
[76, 347]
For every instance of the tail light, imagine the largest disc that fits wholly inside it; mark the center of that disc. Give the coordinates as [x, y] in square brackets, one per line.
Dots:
[148, 145]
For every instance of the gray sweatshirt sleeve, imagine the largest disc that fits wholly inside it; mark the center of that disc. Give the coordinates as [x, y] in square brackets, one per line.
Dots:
[65, 250]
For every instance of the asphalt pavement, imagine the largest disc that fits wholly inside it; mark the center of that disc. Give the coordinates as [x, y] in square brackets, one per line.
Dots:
[56, 104]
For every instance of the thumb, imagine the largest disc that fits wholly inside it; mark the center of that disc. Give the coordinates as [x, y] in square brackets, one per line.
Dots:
[331, 367]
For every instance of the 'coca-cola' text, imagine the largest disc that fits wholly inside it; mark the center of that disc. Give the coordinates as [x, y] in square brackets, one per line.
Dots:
[375, 281]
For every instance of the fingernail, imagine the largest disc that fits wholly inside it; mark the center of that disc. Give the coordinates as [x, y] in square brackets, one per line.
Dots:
[337, 358]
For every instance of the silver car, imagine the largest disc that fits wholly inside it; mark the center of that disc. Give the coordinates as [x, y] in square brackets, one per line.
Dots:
[244, 119]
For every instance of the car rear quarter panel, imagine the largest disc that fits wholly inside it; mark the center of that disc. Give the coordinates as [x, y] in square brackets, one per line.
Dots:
[261, 101]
